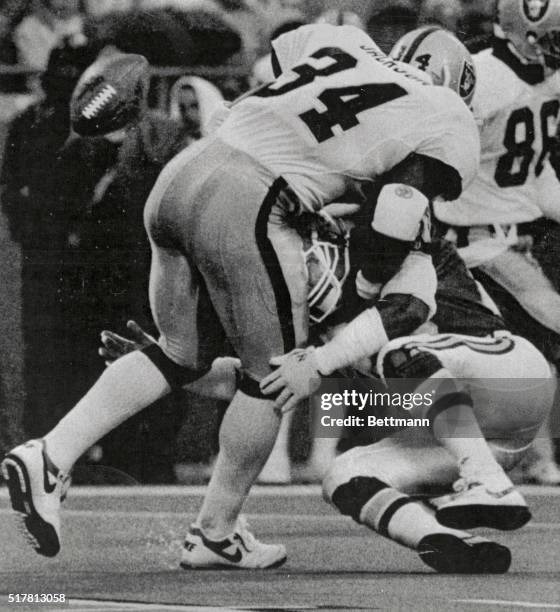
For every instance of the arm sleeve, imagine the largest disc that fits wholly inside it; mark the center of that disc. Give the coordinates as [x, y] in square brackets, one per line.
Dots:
[407, 301]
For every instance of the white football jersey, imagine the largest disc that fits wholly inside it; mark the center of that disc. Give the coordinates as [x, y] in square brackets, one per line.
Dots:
[342, 113]
[519, 120]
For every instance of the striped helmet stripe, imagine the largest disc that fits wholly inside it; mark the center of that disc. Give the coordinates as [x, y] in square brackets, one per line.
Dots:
[417, 42]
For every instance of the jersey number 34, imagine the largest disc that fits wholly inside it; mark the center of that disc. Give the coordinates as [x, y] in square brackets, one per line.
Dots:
[342, 104]
[513, 167]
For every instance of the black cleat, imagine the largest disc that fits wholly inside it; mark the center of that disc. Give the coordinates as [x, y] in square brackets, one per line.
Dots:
[449, 554]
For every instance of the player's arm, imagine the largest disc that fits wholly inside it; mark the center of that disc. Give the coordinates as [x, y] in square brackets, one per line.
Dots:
[391, 258]
[400, 213]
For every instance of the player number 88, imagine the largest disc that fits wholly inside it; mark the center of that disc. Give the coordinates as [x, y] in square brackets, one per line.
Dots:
[514, 166]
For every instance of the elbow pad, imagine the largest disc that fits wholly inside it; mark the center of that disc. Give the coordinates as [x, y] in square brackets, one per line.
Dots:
[400, 212]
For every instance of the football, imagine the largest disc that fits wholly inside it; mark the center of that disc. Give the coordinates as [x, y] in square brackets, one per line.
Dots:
[110, 94]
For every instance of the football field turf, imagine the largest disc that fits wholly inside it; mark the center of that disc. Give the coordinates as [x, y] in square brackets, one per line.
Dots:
[121, 549]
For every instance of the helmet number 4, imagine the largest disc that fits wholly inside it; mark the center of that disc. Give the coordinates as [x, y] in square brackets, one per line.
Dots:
[514, 166]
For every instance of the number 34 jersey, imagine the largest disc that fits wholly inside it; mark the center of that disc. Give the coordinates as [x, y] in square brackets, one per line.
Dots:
[519, 120]
[342, 113]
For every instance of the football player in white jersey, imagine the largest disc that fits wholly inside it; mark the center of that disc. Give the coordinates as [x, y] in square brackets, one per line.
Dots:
[517, 101]
[226, 262]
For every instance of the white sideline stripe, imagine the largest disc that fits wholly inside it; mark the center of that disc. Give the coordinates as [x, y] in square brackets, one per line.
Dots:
[185, 491]
[508, 604]
[256, 491]
[324, 518]
[102, 604]
[173, 515]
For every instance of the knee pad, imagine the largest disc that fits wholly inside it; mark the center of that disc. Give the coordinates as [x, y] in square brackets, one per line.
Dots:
[176, 375]
[353, 495]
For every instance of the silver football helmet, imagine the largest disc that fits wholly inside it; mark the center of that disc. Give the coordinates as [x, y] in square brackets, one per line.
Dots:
[327, 257]
[533, 28]
[442, 56]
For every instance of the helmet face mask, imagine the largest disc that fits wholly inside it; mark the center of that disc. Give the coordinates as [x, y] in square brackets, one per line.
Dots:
[533, 28]
[442, 56]
[549, 47]
[327, 259]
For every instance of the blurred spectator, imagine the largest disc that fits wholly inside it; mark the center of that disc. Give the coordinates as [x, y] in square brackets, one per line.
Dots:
[169, 36]
[445, 13]
[388, 24]
[104, 275]
[29, 182]
[49, 22]
[97, 8]
[476, 24]
[11, 14]
[193, 102]
[258, 19]
[335, 17]
[262, 68]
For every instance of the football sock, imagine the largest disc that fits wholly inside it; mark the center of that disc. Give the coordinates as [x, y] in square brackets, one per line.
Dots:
[401, 518]
[466, 441]
[454, 423]
[247, 435]
[125, 388]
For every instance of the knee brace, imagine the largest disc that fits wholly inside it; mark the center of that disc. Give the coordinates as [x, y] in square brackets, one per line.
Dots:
[353, 495]
[176, 375]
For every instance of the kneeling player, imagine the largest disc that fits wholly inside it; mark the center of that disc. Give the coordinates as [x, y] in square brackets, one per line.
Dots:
[510, 391]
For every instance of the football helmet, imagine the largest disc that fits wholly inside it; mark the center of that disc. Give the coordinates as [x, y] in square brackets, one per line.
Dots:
[327, 258]
[533, 28]
[442, 56]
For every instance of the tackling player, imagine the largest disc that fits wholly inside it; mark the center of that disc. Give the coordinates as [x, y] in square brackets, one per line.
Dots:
[226, 261]
[517, 100]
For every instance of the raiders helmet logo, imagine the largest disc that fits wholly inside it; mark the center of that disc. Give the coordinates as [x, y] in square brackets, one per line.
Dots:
[535, 9]
[468, 81]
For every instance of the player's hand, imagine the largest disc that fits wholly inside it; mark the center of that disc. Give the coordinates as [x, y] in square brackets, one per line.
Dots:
[115, 346]
[296, 377]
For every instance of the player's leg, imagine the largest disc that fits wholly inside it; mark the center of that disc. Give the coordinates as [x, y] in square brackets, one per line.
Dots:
[376, 486]
[524, 279]
[277, 469]
[511, 389]
[124, 389]
[455, 426]
[539, 466]
[35, 475]
[259, 292]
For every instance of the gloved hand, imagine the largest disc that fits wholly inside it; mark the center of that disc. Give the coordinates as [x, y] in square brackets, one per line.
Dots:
[296, 377]
[115, 346]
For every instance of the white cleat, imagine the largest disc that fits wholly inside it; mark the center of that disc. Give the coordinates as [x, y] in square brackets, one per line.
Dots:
[36, 489]
[483, 500]
[239, 550]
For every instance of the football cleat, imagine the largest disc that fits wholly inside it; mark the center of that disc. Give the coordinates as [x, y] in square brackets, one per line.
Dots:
[36, 488]
[450, 554]
[239, 550]
[489, 500]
